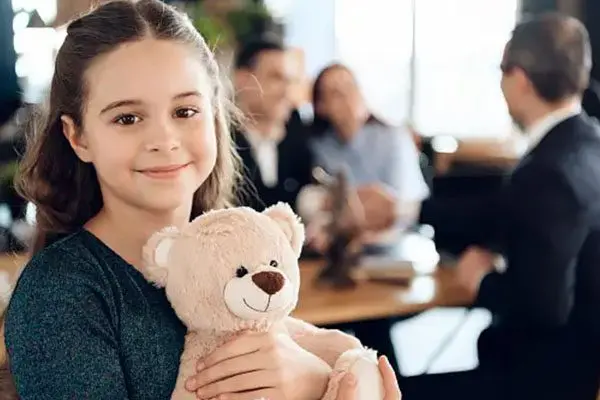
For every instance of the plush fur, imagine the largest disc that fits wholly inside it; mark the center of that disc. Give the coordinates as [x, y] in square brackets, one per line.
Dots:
[237, 269]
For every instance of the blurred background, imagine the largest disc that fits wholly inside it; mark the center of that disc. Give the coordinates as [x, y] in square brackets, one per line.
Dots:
[430, 64]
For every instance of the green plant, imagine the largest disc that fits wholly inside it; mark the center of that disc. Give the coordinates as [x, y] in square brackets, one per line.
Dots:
[233, 27]
[216, 32]
[247, 21]
[8, 173]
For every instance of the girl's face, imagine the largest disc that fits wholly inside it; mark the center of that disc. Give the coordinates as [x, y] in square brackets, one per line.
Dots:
[148, 125]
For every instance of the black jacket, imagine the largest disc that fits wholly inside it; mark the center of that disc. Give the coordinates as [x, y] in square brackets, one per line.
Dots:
[545, 220]
[295, 163]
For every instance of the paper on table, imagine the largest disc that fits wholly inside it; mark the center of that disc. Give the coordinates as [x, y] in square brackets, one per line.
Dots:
[414, 254]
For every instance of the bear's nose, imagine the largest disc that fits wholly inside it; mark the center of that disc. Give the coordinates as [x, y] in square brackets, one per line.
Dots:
[270, 282]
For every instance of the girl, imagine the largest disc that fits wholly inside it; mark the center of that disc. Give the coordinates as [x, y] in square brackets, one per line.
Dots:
[136, 139]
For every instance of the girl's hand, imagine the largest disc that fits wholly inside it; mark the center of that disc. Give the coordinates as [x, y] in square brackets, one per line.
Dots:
[347, 389]
[257, 365]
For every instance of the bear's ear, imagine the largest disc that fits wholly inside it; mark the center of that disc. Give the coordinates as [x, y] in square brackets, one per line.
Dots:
[156, 255]
[289, 223]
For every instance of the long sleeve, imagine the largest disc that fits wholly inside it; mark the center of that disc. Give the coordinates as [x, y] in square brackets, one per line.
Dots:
[546, 230]
[403, 170]
[465, 221]
[61, 338]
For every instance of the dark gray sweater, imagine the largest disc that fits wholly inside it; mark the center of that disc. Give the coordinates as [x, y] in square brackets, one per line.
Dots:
[84, 324]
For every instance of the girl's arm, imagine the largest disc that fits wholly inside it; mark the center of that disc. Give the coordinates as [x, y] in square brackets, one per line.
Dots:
[60, 336]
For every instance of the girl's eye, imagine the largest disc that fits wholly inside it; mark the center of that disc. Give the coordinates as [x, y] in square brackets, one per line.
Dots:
[127, 119]
[185, 112]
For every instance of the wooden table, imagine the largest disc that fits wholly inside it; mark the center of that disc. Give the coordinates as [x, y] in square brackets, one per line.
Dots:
[369, 300]
[10, 265]
[375, 300]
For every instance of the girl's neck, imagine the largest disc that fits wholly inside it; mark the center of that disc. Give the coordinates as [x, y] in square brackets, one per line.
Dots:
[126, 229]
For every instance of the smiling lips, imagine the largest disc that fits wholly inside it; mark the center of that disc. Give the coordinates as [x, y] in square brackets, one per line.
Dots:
[164, 172]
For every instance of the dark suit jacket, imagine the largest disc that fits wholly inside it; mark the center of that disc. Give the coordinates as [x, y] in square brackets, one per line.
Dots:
[545, 220]
[546, 306]
[295, 163]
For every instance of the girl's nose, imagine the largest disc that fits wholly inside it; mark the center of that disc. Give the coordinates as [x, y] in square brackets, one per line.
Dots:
[164, 138]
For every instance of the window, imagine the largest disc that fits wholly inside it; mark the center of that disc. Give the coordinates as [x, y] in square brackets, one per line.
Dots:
[35, 46]
[458, 49]
[374, 39]
[434, 63]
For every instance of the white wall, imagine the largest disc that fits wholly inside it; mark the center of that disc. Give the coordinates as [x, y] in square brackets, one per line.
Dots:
[310, 25]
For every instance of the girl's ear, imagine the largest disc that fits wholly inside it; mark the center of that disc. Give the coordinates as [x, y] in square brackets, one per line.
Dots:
[77, 141]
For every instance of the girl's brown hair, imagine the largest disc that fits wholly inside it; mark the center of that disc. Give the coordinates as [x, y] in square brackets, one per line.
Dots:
[65, 190]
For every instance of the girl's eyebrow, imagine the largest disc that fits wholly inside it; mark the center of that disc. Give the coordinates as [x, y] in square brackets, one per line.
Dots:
[120, 103]
[194, 93]
[135, 102]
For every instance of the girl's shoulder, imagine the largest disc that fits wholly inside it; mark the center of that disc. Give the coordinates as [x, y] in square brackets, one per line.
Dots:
[72, 267]
[71, 255]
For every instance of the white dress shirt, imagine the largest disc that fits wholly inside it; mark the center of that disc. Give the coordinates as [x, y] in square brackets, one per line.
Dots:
[266, 155]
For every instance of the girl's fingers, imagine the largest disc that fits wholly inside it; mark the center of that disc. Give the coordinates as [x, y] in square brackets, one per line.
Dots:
[390, 382]
[347, 389]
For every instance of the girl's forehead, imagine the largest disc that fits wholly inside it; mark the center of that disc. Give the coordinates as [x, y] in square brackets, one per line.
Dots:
[148, 69]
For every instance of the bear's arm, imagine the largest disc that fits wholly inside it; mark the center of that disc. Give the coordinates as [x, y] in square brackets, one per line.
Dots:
[327, 344]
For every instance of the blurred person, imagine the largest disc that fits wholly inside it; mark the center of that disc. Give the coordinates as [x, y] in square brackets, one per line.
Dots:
[382, 161]
[272, 141]
[10, 98]
[544, 341]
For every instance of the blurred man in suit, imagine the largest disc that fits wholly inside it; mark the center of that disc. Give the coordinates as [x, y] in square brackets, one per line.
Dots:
[544, 342]
[273, 147]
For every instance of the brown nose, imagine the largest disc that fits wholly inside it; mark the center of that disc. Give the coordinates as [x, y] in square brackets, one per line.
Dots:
[269, 282]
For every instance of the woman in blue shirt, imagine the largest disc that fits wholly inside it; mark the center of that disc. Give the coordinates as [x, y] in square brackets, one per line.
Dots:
[382, 160]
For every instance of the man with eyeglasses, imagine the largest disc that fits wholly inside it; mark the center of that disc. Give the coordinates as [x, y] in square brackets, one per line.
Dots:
[544, 341]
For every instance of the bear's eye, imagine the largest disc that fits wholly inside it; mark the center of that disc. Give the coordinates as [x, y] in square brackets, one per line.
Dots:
[274, 264]
[241, 272]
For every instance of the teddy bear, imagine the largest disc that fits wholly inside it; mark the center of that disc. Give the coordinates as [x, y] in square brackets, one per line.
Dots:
[234, 270]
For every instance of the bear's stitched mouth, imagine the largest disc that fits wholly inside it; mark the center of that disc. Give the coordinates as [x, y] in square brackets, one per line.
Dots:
[255, 309]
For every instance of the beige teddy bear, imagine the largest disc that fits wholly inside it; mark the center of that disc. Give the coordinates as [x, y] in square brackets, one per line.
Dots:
[237, 269]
